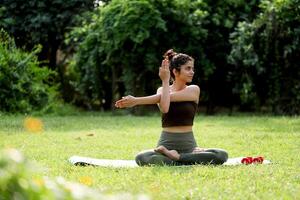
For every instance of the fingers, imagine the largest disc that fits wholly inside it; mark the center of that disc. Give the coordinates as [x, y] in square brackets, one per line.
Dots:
[160, 70]
[165, 64]
[124, 102]
[120, 103]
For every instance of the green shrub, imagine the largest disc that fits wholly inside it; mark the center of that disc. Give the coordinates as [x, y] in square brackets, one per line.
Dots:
[24, 85]
[17, 182]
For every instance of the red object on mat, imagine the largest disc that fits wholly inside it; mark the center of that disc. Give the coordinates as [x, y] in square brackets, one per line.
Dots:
[250, 160]
[258, 160]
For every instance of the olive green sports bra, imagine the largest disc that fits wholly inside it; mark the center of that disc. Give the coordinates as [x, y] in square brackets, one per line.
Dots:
[180, 114]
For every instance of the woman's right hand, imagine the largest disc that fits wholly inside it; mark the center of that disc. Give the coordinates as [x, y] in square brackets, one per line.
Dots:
[126, 102]
[164, 70]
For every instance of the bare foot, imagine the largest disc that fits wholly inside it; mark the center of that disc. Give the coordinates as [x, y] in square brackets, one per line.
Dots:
[172, 154]
[198, 150]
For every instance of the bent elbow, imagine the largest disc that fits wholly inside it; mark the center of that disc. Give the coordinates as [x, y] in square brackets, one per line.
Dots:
[164, 107]
[164, 110]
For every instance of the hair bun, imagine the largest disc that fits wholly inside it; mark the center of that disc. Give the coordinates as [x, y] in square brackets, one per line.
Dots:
[170, 54]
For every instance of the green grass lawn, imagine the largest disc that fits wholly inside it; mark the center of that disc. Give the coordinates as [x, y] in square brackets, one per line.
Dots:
[121, 137]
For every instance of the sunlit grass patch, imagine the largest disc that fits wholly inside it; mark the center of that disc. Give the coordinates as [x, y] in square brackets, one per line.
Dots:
[122, 137]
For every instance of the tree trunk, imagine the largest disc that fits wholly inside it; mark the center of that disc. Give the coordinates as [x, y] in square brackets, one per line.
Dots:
[114, 87]
[54, 44]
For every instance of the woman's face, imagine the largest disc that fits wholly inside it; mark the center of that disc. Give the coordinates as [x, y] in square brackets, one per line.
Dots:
[186, 73]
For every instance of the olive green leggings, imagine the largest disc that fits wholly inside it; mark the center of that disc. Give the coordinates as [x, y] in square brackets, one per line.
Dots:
[184, 143]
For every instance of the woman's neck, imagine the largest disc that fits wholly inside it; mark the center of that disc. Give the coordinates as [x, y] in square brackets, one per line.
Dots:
[178, 85]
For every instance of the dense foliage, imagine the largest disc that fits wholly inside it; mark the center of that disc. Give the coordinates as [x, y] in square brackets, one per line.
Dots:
[123, 46]
[45, 23]
[222, 18]
[41, 22]
[266, 57]
[245, 50]
[24, 85]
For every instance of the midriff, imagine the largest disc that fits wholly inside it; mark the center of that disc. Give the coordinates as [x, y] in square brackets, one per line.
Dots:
[178, 129]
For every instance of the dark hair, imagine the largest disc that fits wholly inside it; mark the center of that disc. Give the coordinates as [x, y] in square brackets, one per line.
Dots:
[176, 60]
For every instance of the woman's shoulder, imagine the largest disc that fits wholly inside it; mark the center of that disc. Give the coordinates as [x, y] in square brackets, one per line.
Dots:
[190, 88]
[193, 88]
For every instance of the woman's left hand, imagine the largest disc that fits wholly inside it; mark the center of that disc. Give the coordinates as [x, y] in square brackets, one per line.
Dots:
[126, 102]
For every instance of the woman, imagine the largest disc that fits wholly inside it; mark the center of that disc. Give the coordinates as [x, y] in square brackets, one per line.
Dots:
[178, 103]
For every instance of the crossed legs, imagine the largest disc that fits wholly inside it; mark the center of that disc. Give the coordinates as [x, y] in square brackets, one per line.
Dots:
[163, 156]
[150, 157]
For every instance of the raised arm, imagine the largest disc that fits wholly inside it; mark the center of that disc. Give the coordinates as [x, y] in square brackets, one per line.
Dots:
[164, 91]
[190, 93]
[130, 101]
